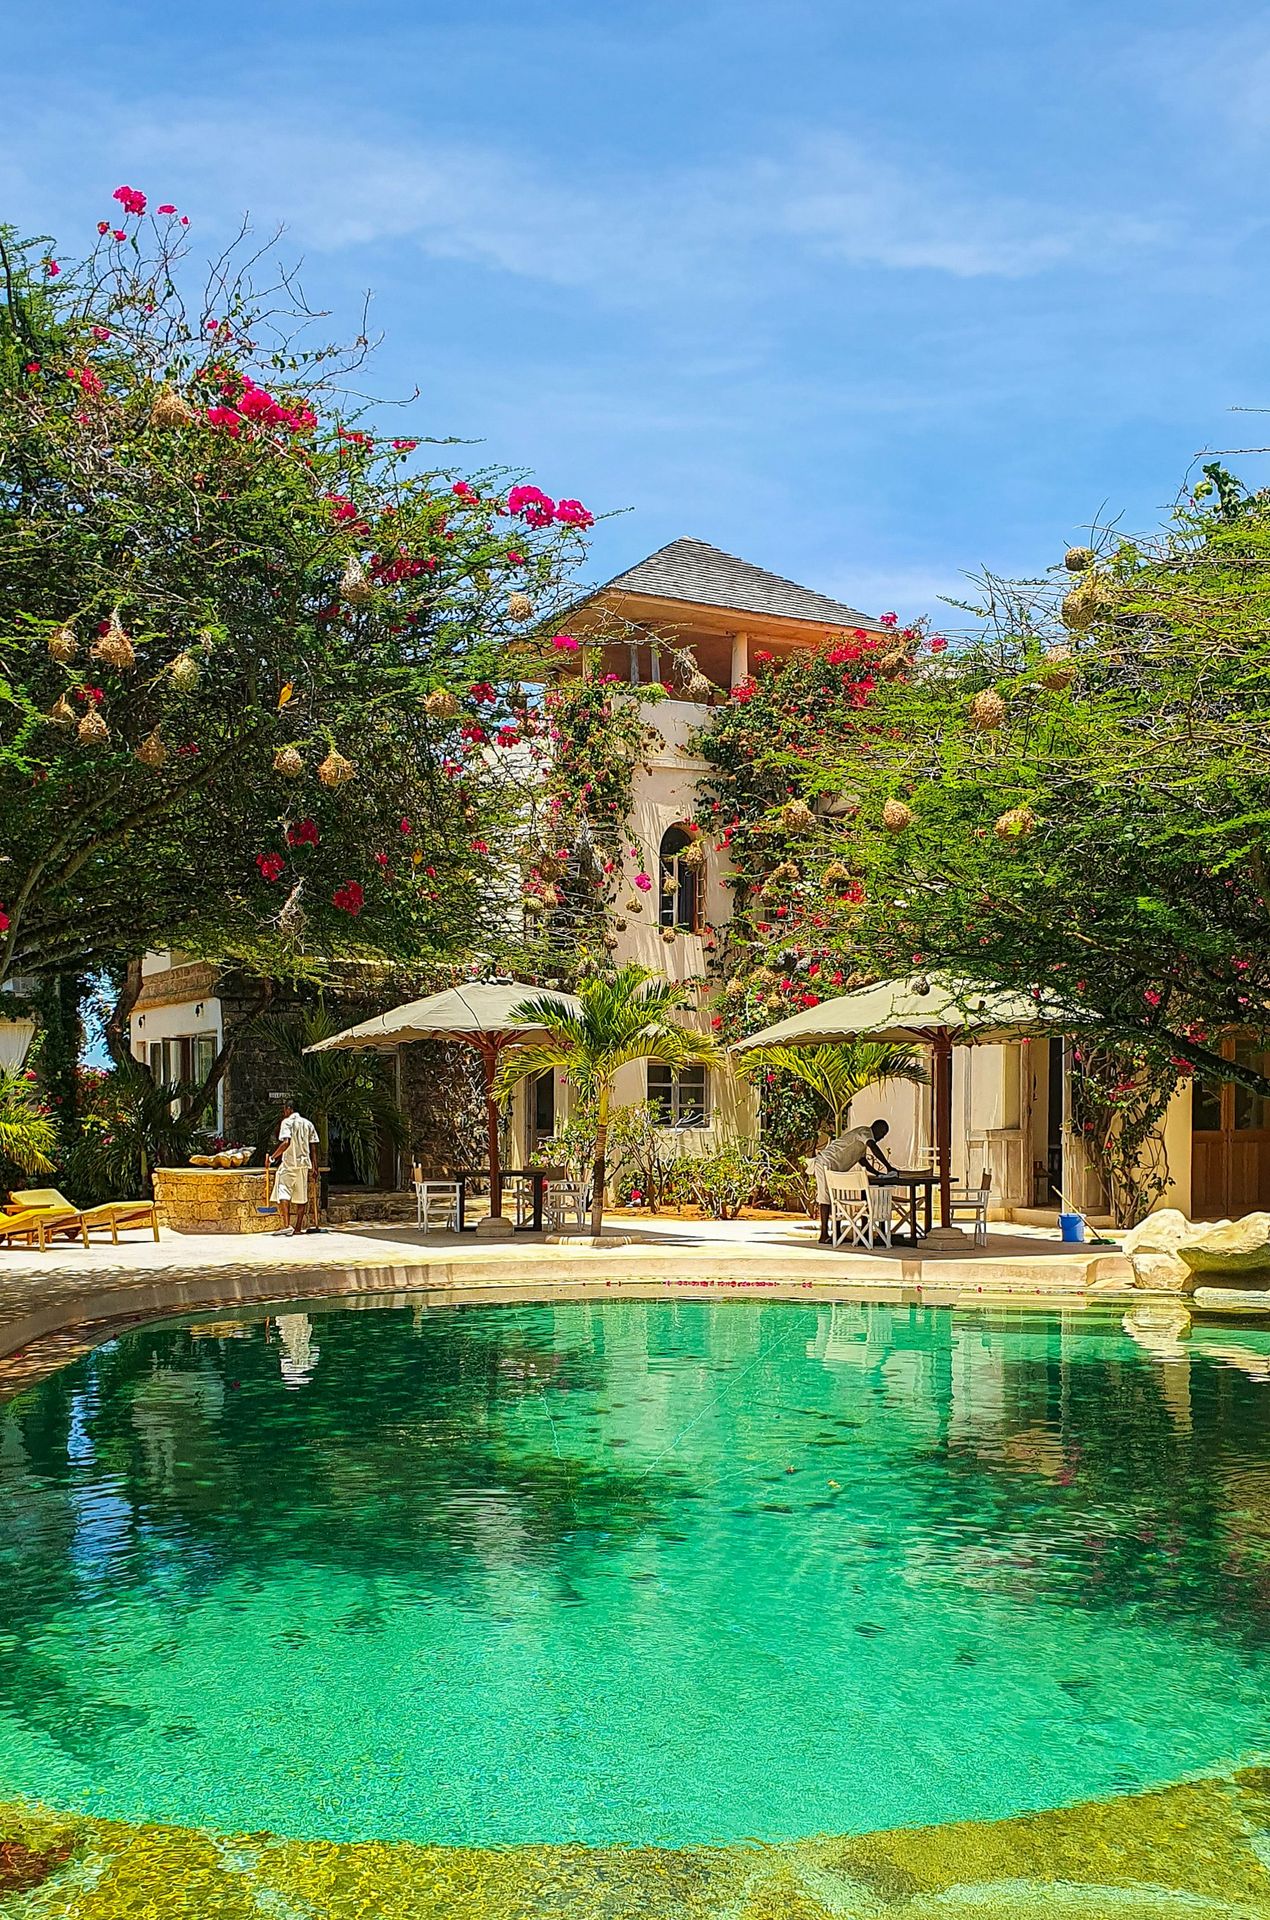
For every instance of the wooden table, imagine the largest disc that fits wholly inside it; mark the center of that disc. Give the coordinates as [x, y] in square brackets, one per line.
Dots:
[917, 1181]
[538, 1175]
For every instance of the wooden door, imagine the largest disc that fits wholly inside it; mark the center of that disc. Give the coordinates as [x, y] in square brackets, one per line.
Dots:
[1230, 1141]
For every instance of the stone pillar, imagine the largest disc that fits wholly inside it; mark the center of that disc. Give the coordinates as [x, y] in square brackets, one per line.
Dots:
[740, 658]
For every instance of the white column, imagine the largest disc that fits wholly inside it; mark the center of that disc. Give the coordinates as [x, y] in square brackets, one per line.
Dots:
[740, 658]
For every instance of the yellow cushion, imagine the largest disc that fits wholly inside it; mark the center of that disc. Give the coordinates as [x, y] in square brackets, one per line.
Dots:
[39, 1197]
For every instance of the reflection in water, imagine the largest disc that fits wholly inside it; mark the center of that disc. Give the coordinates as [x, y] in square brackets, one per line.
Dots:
[633, 1571]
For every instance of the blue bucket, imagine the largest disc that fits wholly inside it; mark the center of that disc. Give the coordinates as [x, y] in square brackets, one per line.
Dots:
[1072, 1228]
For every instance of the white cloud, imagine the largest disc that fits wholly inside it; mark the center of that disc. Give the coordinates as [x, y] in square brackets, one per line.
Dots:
[630, 239]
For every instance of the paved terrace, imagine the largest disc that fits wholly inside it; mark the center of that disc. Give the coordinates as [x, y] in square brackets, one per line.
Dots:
[68, 1298]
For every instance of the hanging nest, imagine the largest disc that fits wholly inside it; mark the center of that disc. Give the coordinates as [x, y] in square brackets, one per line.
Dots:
[633, 905]
[797, 816]
[355, 587]
[1057, 669]
[547, 866]
[1015, 824]
[519, 606]
[1083, 603]
[669, 884]
[62, 713]
[897, 815]
[92, 729]
[335, 770]
[836, 874]
[287, 762]
[987, 710]
[697, 687]
[668, 934]
[185, 671]
[441, 704]
[550, 896]
[892, 663]
[735, 988]
[1079, 559]
[610, 941]
[114, 647]
[787, 871]
[532, 906]
[152, 752]
[620, 924]
[171, 409]
[63, 645]
[694, 856]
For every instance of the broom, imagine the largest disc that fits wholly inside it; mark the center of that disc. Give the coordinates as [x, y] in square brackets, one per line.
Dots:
[267, 1205]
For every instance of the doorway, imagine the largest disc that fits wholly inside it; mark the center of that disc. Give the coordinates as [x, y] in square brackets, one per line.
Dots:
[1230, 1140]
[540, 1111]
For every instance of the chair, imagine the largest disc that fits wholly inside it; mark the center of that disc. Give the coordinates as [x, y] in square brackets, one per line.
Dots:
[437, 1204]
[38, 1224]
[111, 1215]
[849, 1210]
[973, 1202]
[566, 1203]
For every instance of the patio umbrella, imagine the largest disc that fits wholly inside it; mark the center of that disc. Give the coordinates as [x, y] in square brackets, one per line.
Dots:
[933, 1011]
[480, 1015]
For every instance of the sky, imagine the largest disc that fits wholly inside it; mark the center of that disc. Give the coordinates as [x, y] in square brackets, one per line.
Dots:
[874, 296]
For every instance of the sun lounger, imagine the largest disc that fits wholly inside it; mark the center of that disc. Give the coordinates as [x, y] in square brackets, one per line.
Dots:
[111, 1215]
[37, 1225]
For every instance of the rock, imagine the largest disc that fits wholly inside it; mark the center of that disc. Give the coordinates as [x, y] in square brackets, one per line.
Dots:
[1231, 1253]
[1152, 1247]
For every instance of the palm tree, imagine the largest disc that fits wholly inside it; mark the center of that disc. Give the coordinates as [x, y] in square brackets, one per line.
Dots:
[339, 1087]
[839, 1070]
[27, 1135]
[133, 1124]
[623, 1017]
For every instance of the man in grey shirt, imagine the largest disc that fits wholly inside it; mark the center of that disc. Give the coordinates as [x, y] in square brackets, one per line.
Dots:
[856, 1145]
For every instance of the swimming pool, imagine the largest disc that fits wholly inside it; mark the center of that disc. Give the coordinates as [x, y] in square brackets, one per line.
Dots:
[654, 1573]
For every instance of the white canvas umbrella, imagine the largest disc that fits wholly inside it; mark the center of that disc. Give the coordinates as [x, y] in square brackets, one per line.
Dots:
[931, 1011]
[479, 1014]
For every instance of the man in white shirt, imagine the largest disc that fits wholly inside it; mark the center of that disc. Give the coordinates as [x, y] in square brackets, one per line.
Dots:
[848, 1150]
[296, 1158]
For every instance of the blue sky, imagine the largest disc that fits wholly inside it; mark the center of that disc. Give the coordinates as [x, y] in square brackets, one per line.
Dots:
[870, 295]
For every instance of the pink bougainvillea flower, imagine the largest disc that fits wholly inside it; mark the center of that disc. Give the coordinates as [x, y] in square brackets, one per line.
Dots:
[52, 269]
[119, 234]
[381, 860]
[130, 200]
[103, 226]
[464, 491]
[167, 207]
[303, 833]
[101, 334]
[572, 513]
[224, 417]
[271, 865]
[532, 505]
[643, 881]
[185, 219]
[889, 619]
[4, 928]
[937, 643]
[404, 446]
[1152, 997]
[482, 691]
[515, 559]
[32, 366]
[405, 826]
[480, 846]
[349, 898]
[564, 643]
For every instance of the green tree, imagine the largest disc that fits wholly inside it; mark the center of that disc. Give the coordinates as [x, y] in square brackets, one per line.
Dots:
[342, 1088]
[624, 1016]
[836, 1073]
[253, 655]
[28, 1137]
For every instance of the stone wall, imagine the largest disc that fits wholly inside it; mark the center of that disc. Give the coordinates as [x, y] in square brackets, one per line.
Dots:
[212, 1199]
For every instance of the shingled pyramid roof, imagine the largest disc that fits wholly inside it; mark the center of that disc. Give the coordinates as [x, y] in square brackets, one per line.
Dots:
[692, 570]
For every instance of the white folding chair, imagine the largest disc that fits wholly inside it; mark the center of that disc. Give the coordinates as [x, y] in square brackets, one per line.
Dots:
[848, 1210]
[565, 1204]
[437, 1205]
[881, 1208]
[972, 1202]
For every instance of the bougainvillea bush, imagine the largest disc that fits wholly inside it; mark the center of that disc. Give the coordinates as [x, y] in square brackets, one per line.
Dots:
[254, 653]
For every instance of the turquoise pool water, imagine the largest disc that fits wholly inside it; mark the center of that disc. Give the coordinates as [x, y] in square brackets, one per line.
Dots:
[629, 1572]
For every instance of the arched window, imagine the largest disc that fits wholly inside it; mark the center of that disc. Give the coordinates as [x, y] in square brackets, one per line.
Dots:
[682, 865]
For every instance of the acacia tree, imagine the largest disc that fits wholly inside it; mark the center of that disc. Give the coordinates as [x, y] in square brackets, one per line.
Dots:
[1080, 798]
[247, 646]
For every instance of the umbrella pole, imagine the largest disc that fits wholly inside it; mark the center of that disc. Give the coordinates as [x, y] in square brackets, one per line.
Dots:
[489, 1055]
[943, 1070]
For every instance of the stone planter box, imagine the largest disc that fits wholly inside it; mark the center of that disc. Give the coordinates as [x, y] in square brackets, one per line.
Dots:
[212, 1199]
